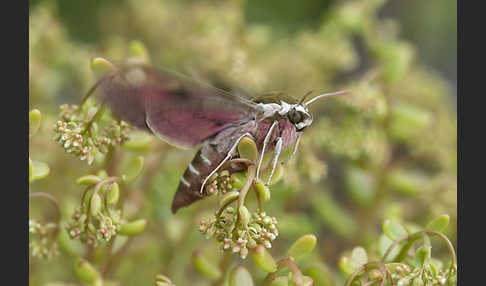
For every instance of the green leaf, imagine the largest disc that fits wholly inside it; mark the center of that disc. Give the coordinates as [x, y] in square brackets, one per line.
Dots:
[262, 190]
[39, 171]
[229, 196]
[406, 182]
[239, 276]
[87, 180]
[277, 175]
[139, 141]
[439, 223]
[280, 281]
[408, 122]
[393, 229]
[69, 246]
[31, 167]
[347, 265]
[205, 267]
[247, 149]
[333, 215]
[264, 260]
[361, 186]
[34, 121]
[113, 195]
[85, 272]
[162, 280]
[359, 256]
[238, 179]
[135, 227]
[95, 205]
[422, 255]
[244, 215]
[133, 170]
[307, 281]
[356, 259]
[383, 243]
[320, 274]
[302, 246]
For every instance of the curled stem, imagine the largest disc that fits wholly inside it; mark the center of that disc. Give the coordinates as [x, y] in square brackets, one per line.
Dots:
[247, 185]
[371, 265]
[53, 200]
[281, 264]
[415, 236]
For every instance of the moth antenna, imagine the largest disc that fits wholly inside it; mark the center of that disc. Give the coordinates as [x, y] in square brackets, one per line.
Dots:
[327, 94]
[305, 96]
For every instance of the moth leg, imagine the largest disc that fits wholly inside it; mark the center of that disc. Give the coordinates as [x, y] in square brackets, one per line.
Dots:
[230, 154]
[265, 142]
[276, 154]
[294, 151]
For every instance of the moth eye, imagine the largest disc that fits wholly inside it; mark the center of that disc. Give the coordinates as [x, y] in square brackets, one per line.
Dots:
[294, 116]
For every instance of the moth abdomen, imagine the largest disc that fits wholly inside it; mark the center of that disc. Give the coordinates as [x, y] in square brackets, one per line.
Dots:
[189, 190]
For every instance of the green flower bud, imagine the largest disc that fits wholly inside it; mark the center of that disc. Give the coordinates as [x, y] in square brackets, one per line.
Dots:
[85, 272]
[228, 197]
[244, 215]
[302, 246]
[102, 66]
[263, 191]
[113, 195]
[133, 170]
[439, 223]
[95, 204]
[239, 276]
[87, 180]
[264, 260]
[133, 228]
[34, 121]
[393, 229]
[247, 149]
[206, 267]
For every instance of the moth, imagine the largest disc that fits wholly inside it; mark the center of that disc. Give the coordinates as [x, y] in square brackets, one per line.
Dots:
[187, 113]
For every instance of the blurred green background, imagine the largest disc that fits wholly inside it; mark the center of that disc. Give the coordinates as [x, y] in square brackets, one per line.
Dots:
[388, 150]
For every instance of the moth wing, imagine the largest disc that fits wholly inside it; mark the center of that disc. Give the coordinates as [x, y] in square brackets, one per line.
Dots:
[179, 110]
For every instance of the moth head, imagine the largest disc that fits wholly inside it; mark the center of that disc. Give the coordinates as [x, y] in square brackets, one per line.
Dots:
[299, 116]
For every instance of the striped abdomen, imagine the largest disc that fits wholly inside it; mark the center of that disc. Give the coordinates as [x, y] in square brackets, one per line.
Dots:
[189, 190]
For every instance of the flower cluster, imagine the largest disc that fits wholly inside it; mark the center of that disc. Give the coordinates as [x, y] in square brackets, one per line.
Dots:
[239, 236]
[220, 183]
[94, 229]
[425, 275]
[81, 135]
[42, 240]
